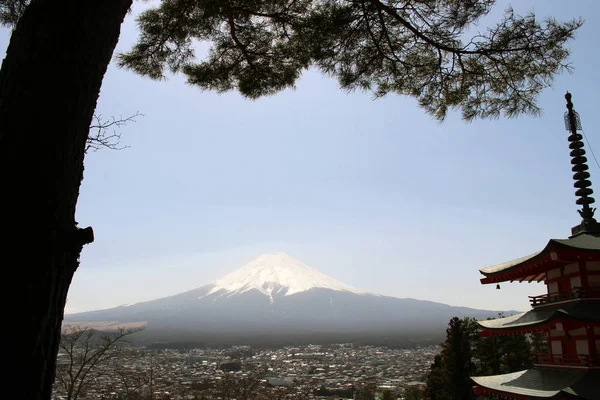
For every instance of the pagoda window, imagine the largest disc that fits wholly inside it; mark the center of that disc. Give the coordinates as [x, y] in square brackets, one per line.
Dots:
[593, 265]
[554, 273]
[571, 269]
[582, 347]
[557, 347]
[553, 287]
[579, 332]
[576, 282]
[594, 280]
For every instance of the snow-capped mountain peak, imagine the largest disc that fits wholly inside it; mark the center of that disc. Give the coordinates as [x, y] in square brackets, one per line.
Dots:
[276, 273]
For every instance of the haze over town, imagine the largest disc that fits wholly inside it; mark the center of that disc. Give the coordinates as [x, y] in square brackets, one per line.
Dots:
[374, 193]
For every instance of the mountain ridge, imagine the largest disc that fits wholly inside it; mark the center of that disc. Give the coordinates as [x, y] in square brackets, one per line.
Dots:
[278, 294]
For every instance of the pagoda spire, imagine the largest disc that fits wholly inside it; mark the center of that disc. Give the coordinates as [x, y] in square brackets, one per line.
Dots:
[581, 175]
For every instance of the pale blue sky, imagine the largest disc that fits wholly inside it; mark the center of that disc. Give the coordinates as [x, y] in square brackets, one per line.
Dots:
[374, 193]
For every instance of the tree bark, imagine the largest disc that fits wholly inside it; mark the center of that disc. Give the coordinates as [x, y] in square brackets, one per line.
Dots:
[49, 83]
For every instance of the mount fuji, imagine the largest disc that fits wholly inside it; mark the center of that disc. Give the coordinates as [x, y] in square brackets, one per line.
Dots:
[278, 294]
[276, 275]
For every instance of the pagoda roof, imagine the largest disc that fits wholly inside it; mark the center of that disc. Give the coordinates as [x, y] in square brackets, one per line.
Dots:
[545, 383]
[525, 266]
[538, 317]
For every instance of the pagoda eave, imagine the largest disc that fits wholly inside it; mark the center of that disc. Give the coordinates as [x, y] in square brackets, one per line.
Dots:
[540, 383]
[540, 319]
[557, 252]
[483, 391]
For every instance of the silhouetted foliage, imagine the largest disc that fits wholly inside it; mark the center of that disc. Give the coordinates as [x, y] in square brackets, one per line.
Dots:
[466, 354]
[539, 344]
[366, 391]
[502, 354]
[11, 11]
[413, 393]
[231, 366]
[387, 395]
[436, 381]
[415, 48]
[345, 393]
[451, 371]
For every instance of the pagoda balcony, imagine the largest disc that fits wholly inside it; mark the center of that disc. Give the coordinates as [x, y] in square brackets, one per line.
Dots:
[575, 293]
[580, 360]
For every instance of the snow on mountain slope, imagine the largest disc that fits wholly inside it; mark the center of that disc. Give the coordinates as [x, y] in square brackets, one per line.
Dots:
[277, 273]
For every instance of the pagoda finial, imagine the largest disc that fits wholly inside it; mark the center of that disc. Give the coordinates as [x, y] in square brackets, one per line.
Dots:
[581, 176]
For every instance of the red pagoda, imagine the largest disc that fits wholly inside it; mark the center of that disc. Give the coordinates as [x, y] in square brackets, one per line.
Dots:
[568, 314]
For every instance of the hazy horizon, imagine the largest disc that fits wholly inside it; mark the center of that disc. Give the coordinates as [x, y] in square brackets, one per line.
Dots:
[374, 193]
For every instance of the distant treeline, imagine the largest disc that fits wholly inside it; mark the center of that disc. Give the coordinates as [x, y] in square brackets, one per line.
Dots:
[189, 340]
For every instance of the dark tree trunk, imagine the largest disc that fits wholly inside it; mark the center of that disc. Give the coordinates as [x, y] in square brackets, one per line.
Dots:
[49, 84]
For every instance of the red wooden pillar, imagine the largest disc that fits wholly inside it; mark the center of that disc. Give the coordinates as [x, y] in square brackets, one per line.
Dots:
[584, 278]
[591, 337]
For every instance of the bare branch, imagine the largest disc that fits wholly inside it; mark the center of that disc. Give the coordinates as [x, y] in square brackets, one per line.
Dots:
[104, 132]
[86, 350]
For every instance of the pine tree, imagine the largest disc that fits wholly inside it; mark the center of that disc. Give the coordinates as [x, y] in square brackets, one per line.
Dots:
[501, 354]
[465, 354]
[456, 358]
[450, 375]
[417, 48]
[436, 383]
[59, 51]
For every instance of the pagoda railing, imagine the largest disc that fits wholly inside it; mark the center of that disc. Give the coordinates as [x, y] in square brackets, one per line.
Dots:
[581, 360]
[575, 293]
